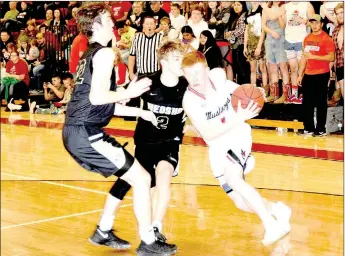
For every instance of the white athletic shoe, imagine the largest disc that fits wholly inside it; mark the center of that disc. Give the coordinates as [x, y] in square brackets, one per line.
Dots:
[282, 212]
[275, 233]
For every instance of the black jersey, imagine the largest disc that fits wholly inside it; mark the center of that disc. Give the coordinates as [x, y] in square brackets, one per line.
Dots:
[80, 111]
[166, 103]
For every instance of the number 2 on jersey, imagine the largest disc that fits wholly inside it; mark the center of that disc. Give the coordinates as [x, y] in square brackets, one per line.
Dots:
[162, 122]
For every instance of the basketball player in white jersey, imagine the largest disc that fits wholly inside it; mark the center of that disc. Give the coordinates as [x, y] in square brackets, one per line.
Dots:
[207, 102]
[294, 19]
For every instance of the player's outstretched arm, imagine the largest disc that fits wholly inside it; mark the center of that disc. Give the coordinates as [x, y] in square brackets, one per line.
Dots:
[103, 64]
[211, 132]
[121, 110]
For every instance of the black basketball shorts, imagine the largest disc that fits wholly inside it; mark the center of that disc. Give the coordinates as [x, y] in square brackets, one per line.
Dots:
[149, 155]
[96, 151]
[339, 72]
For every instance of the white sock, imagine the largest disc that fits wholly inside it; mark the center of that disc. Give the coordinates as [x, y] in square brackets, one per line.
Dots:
[158, 224]
[147, 235]
[106, 222]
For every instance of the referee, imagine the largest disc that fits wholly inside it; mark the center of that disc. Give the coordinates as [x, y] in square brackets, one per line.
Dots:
[143, 57]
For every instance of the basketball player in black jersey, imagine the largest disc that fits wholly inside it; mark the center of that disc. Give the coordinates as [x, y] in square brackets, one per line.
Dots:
[91, 108]
[157, 146]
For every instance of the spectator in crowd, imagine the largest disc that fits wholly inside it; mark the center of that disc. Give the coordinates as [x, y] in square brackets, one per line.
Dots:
[5, 40]
[318, 52]
[24, 15]
[10, 17]
[235, 34]
[120, 9]
[254, 48]
[157, 13]
[136, 16]
[121, 70]
[58, 20]
[49, 17]
[210, 49]
[327, 13]
[23, 45]
[79, 46]
[73, 5]
[127, 34]
[31, 29]
[72, 23]
[197, 23]
[338, 39]
[219, 18]
[188, 41]
[15, 84]
[177, 20]
[295, 24]
[54, 90]
[169, 32]
[275, 53]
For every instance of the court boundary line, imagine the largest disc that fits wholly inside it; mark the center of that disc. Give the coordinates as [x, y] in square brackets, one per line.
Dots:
[57, 218]
[59, 184]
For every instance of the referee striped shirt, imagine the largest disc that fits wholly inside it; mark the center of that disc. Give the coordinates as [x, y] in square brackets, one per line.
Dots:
[144, 49]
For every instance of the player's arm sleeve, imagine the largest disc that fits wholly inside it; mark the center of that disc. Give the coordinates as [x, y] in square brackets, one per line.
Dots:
[103, 64]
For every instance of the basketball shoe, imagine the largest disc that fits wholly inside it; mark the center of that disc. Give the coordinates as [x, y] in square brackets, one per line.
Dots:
[157, 248]
[282, 212]
[274, 233]
[108, 238]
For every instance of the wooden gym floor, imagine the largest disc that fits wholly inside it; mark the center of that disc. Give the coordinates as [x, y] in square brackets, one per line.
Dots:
[50, 205]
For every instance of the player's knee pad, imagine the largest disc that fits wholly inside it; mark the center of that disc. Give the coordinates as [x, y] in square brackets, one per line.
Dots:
[120, 189]
[250, 164]
[225, 186]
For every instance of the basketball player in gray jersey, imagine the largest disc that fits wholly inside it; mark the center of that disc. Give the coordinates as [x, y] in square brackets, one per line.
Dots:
[91, 108]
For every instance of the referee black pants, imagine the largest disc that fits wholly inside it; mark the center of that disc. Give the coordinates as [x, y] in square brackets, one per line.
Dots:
[315, 89]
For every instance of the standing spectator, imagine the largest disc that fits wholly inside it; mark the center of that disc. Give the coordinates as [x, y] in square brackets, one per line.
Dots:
[210, 49]
[189, 42]
[79, 46]
[235, 34]
[327, 13]
[58, 20]
[177, 20]
[120, 9]
[338, 39]
[318, 52]
[254, 48]
[197, 23]
[275, 53]
[295, 23]
[121, 70]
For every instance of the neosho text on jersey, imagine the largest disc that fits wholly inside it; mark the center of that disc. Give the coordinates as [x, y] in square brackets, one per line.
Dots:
[221, 109]
[164, 110]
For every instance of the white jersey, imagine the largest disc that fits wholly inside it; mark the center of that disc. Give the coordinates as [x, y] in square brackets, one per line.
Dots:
[217, 109]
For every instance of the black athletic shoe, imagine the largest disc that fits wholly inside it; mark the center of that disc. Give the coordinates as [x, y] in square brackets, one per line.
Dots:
[319, 134]
[157, 248]
[161, 238]
[108, 238]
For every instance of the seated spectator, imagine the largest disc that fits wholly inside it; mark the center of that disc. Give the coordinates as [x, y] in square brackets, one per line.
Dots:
[72, 24]
[120, 9]
[31, 29]
[23, 46]
[49, 18]
[5, 40]
[24, 15]
[157, 13]
[68, 83]
[189, 41]
[127, 34]
[15, 84]
[10, 17]
[54, 90]
[210, 49]
[33, 55]
[7, 53]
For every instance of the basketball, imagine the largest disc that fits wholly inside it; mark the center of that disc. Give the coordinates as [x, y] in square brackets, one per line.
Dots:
[246, 93]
